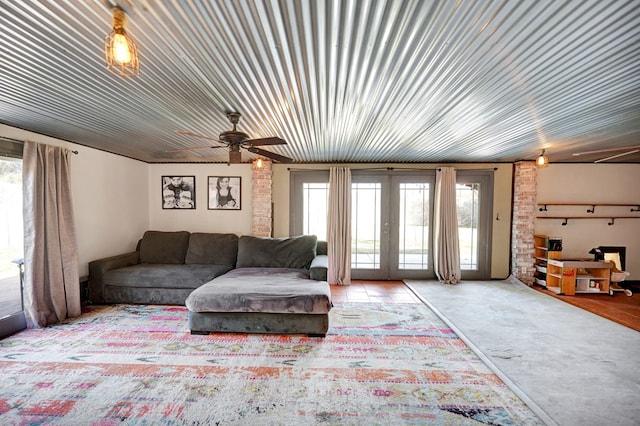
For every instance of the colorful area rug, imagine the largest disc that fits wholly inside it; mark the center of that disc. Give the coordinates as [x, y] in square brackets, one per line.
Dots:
[139, 365]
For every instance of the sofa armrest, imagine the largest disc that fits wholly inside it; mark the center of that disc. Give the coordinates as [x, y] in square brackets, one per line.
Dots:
[318, 268]
[97, 269]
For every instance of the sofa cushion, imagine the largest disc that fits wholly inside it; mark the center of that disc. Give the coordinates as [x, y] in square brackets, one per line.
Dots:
[164, 247]
[147, 275]
[267, 290]
[293, 252]
[212, 249]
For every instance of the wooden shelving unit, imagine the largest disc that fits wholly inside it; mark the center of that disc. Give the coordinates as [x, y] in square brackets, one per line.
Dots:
[543, 250]
[571, 277]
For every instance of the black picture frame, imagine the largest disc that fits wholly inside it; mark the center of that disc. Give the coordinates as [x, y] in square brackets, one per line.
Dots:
[219, 198]
[178, 192]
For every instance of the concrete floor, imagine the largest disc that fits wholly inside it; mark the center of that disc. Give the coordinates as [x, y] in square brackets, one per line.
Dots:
[573, 367]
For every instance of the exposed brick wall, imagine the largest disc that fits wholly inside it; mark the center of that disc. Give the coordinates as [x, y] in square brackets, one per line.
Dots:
[262, 200]
[524, 220]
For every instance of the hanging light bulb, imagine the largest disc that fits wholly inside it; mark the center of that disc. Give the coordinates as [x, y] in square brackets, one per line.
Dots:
[259, 163]
[542, 161]
[120, 51]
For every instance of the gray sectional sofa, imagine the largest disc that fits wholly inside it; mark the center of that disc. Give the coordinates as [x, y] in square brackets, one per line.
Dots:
[228, 283]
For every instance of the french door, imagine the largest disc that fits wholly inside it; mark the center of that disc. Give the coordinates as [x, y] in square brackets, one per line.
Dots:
[391, 229]
[391, 225]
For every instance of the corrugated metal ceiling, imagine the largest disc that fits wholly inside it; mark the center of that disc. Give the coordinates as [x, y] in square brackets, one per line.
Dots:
[340, 81]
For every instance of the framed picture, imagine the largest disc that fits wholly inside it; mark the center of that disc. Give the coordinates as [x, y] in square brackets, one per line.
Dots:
[224, 192]
[179, 192]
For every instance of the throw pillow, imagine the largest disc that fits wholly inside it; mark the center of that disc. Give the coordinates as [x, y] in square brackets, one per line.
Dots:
[164, 247]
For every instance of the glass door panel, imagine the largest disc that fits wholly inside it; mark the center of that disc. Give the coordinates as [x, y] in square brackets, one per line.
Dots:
[474, 200]
[11, 244]
[410, 230]
[366, 226]
[413, 239]
[468, 209]
[315, 198]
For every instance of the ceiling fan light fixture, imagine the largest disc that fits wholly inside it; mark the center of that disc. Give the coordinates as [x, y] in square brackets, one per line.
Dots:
[542, 161]
[120, 51]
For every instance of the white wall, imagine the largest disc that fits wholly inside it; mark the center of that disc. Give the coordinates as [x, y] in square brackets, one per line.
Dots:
[109, 195]
[592, 183]
[110, 204]
[201, 219]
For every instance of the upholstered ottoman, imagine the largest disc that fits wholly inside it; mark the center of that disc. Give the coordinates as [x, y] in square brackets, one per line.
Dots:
[261, 300]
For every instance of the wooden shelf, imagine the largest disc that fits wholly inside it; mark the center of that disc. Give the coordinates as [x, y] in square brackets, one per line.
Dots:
[612, 219]
[636, 206]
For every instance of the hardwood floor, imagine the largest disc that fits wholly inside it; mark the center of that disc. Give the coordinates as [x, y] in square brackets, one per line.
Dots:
[619, 308]
[373, 291]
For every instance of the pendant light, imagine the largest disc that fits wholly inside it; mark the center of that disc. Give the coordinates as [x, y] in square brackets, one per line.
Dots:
[542, 161]
[120, 51]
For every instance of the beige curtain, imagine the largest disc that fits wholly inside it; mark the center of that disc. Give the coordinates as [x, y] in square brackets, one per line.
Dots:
[339, 224]
[447, 250]
[51, 282]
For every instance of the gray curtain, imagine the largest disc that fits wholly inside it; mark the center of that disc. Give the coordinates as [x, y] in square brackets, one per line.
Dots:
[51, 282]
[339, 224]
[447, 245]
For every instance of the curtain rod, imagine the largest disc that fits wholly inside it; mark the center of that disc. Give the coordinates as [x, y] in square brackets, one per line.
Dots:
[390, 169]
[10, 139]
[4, 138]
[472, 170]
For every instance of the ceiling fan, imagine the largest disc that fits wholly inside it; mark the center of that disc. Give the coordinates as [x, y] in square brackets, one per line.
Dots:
[234, 140]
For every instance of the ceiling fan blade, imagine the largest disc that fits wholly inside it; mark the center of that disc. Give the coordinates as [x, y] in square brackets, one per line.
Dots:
[272, 155]
[188, 133]
[616, 156]
[600, 151]
[265, 141]
[193, 148]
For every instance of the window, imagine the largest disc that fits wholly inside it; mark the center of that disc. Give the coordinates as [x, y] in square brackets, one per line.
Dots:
[11, 238]
[315, 201]
[391, 219]
[468, 211]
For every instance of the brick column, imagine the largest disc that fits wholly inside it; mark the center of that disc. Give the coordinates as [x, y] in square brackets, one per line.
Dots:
[262, 200]
[524, 220]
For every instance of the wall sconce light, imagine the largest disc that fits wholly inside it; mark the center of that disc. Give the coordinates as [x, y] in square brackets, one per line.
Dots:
[259, 163]
[542, 161]
[120, 51]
